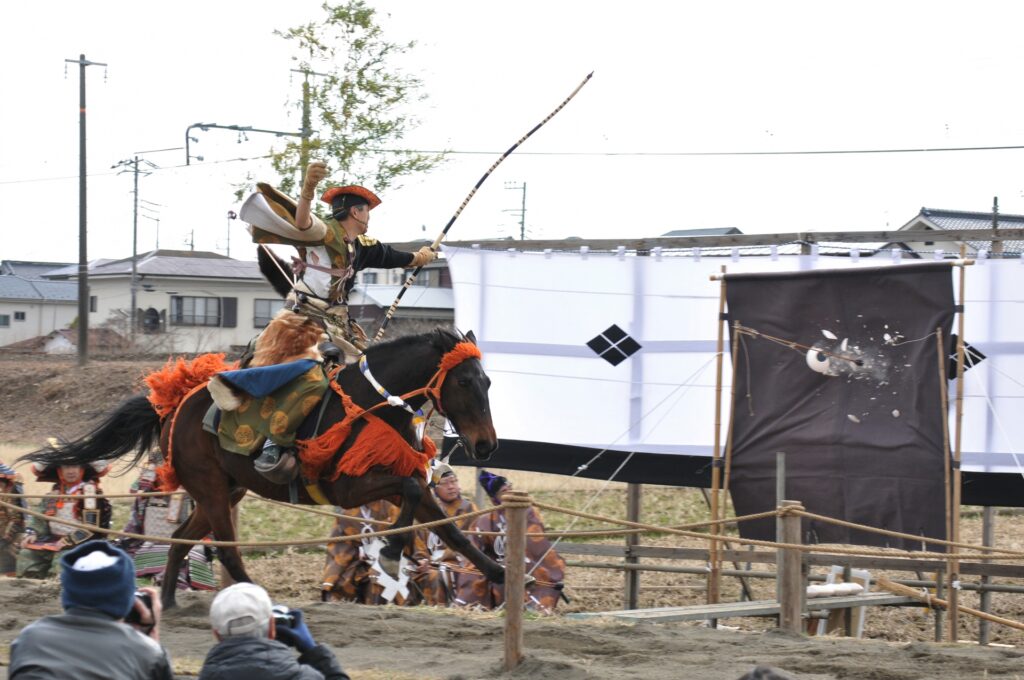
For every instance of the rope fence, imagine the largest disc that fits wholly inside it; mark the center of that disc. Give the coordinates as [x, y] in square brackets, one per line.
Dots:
[988, 553]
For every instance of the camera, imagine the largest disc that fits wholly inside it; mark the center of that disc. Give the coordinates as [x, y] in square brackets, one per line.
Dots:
[135, 618]
[283, 616]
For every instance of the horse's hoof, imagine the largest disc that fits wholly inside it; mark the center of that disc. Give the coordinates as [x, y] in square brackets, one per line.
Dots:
[390, 565]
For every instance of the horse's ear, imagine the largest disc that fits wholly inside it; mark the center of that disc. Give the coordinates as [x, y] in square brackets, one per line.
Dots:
[471, 337]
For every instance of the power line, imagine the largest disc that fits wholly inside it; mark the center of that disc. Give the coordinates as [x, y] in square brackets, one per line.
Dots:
[809, 152]
[637, 154]
[102, 174]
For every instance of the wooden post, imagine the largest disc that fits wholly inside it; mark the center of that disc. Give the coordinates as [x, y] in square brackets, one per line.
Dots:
[517, 503]
[631, 594]
[792, 591]
[479, 494]
[987, 535]
[780, 487]
[940, 592]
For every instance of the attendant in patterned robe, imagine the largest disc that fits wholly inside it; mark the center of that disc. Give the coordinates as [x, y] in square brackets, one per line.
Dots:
[161, 516]
[348, 576]
[434, 560]
[474, 590]
[12, 522]
[46, 539]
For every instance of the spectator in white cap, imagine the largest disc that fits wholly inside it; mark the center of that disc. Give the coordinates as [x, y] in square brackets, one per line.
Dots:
[253, 637]
[91, 639]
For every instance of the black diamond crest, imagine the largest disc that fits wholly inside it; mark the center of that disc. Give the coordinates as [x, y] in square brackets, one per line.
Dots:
[614, 345]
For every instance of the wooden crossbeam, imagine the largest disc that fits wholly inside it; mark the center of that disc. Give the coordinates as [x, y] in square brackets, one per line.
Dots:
[759, 608]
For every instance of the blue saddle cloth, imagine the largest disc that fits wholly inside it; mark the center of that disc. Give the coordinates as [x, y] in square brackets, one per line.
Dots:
[263, 380]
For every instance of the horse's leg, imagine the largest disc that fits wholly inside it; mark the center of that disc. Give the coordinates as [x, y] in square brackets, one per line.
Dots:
[194, 528]
[391, 555]
[428, 511]
[224, 530]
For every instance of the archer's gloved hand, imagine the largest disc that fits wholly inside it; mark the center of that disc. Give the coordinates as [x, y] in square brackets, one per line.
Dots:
[315, 173]
[423, 256]
[297, 635]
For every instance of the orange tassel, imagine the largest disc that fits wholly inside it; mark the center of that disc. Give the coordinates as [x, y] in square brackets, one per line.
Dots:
[380, 445]
[169, 385]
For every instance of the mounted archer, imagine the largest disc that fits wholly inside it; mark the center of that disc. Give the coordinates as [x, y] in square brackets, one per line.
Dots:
[329, 255]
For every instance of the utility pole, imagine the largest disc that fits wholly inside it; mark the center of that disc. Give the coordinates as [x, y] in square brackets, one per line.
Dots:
[83, 250]
[522, 209]
[997, 246]
[134, 165]
[306, 131]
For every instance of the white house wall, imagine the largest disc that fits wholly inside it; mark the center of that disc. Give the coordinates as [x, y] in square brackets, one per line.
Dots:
[40, 318]
[113, 305]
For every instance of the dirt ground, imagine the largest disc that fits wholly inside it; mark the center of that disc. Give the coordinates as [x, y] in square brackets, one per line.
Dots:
[391, 642]
[41, 398]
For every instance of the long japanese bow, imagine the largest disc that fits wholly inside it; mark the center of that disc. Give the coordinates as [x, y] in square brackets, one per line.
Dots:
[444, 232]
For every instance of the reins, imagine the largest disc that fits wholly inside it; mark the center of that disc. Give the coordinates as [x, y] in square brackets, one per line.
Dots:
[452, 358]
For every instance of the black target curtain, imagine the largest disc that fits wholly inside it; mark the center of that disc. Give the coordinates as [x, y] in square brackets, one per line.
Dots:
[840, 371]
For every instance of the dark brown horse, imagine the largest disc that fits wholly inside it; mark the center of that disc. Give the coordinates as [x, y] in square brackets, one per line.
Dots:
[217, 479]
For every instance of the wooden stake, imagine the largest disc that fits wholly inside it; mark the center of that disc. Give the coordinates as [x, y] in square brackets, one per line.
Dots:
[631, 591]
[517, 503]
[792, 590]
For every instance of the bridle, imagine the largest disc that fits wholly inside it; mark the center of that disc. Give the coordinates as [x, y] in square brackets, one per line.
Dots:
[461, 352]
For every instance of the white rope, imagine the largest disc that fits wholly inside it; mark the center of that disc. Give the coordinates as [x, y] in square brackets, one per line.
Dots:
[593, 498]
[995, 414]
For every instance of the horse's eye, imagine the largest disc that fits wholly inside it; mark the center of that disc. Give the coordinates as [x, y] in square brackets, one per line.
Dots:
[463, 382]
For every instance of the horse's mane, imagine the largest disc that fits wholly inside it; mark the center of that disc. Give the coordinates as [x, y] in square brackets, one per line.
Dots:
[440, 338]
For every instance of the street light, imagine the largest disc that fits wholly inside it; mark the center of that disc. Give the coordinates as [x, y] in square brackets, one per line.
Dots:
[240, 129]
[231, 216]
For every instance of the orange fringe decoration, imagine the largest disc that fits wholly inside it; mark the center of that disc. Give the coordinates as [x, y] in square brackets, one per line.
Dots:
[166, 477]
[379, 444]
[315, 454]
[458, 354]
[169, 386]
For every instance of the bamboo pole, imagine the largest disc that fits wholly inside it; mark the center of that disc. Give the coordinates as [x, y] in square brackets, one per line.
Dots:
[944, 398]
[517, 503]
[792, 591]
[714, 574]
[954, 568]
[897, 589]
[732, 407]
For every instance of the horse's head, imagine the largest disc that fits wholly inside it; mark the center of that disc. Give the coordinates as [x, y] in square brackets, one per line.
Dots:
[465, 403]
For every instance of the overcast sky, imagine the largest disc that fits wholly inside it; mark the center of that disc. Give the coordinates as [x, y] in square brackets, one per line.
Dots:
[670, 78]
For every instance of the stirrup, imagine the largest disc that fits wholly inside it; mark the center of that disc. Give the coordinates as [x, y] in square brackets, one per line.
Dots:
[276, 464]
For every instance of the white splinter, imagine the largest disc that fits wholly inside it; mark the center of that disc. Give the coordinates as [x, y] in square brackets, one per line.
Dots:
[829, 334]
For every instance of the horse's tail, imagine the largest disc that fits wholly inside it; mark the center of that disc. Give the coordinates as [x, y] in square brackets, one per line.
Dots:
[132, 426]
[135, 424]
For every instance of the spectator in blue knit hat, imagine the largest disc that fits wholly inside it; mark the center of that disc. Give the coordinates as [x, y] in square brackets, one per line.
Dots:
[91, 639]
